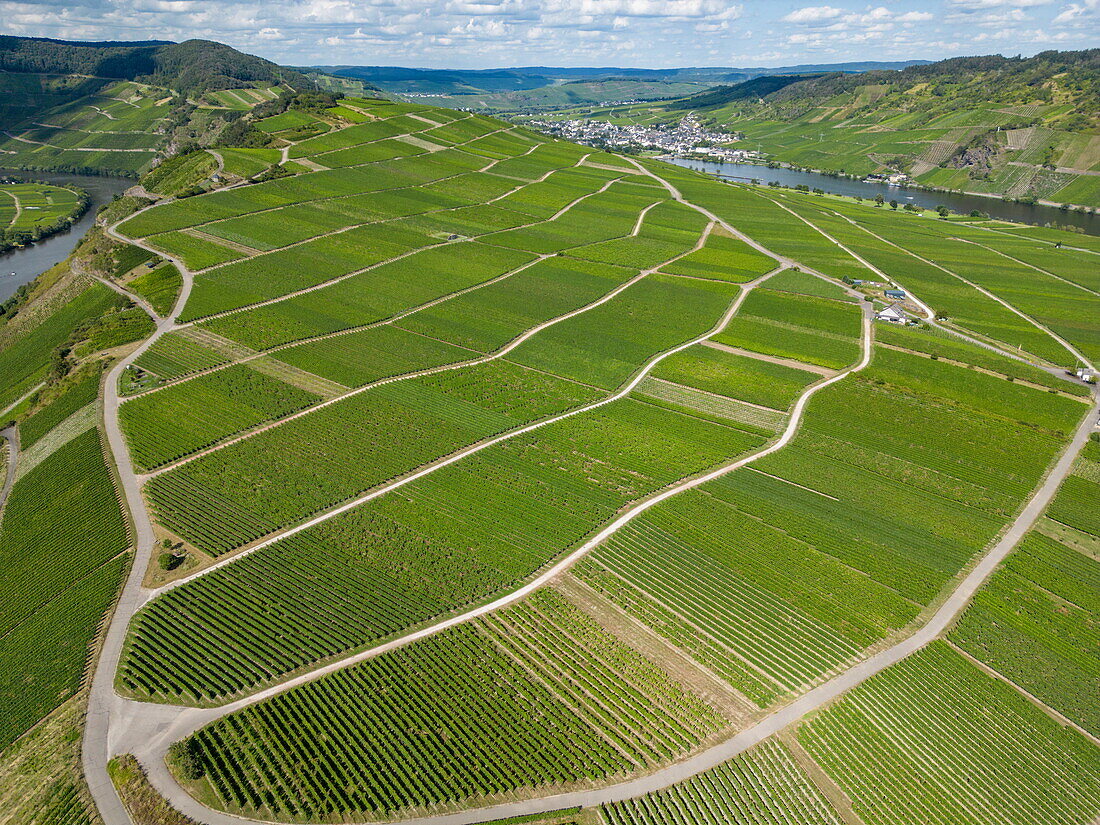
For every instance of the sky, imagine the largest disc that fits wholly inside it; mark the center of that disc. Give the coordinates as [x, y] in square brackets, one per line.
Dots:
[630, 33]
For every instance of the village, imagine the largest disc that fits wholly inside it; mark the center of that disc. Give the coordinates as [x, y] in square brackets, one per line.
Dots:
[688, 137]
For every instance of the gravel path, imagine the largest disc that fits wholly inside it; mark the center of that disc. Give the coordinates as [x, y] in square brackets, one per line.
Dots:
[10, 435]
[103, 702]
[116, 725]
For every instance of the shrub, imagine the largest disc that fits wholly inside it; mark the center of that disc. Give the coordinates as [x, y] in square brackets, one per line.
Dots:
[187, 763]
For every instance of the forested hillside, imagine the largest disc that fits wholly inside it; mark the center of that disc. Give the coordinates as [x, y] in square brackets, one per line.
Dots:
[1020, 127]
[193, 66]
[117, 108]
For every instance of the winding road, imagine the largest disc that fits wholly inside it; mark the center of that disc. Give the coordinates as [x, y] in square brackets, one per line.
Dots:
[11, 436]
[117, 725]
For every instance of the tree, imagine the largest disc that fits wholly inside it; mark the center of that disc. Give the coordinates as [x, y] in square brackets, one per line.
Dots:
[879, 200]
[186, 760]
[893, 204]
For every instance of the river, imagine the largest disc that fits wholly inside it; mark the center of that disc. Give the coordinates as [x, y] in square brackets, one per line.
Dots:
[1037, 215]
[31, 261]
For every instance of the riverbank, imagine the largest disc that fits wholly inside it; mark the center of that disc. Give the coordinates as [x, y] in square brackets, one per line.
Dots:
[30, 261]
[1038, 214]
[31, 211]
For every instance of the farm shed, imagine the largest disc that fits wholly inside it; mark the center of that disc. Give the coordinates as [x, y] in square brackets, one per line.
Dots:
[892, 314]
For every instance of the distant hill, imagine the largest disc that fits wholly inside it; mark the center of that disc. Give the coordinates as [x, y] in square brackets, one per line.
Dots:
[480, 81]
[119, 107]
[755, 89]
[191, 67]
[1019, 127]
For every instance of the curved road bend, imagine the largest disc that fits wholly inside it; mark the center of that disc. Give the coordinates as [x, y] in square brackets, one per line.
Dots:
[111, 718]
[11, 435]
[809, 702]
[96, 746]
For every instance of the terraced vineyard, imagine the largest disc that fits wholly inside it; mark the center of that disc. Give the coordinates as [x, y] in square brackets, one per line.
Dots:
[594, 709]
[763, 787]
[982, 752]
[113, 129]
[449, 387]
[480, 473]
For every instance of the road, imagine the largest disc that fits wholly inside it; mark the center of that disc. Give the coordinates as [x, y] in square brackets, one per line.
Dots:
[102, 699]
[10, 435]
[117, 725]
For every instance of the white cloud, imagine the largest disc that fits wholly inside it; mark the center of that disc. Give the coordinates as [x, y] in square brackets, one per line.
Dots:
[813, 14]
[480, 33]
[978, 5]
[1076, 13]
[915, 17]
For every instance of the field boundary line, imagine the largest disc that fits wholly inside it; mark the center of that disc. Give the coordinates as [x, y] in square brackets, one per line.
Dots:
[1029, 266]
[779, 360]
[999, 231]
[125, 293]
[796, 484]
[473, 362]
[451, 458]
[1056, 715]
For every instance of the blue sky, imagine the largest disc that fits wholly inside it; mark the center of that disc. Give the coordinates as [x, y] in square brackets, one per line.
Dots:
[638, 33]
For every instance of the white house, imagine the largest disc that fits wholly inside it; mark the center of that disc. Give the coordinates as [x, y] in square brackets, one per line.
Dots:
[893, 314]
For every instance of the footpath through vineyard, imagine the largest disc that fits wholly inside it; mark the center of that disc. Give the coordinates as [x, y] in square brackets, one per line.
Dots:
[116, 725]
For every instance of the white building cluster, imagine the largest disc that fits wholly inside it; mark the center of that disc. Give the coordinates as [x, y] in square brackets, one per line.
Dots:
[687, 137]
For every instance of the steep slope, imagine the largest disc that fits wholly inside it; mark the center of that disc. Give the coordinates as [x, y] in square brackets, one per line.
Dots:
[1019, 127]
[113, 107]
[193, 66]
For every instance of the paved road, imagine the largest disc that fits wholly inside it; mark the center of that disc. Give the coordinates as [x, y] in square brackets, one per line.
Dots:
[746, 739]
[116, 725]
[11, 435]
[103, 702]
